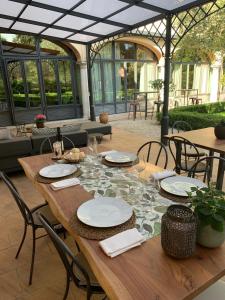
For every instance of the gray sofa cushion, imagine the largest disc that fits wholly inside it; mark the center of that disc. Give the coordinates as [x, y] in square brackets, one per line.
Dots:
[46, 131]
[95, 127]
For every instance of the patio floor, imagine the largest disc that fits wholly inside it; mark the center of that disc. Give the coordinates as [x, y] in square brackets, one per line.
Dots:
[49, 275]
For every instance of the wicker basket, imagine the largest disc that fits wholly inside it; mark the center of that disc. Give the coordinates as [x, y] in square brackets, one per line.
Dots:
[178, 233]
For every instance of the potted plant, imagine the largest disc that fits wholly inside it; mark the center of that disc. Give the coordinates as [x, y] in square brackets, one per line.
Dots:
[219, 130]
[40, 120]
[209, 207]
[157, 85]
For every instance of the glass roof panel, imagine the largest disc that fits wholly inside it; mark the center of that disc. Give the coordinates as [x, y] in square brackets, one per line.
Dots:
[133, 15]
[40, 14]
[98, 8]
[10, 8]
[82, 37]
[27, 27]
[56, 32]
[102, 28]
[67, 4]
[5, 23]
[171, 4]
[74, 22]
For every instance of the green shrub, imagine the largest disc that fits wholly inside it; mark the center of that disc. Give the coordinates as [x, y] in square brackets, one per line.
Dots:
[198, 116]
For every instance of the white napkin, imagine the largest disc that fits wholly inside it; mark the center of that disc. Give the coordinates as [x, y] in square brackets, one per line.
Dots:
[103, 154]
[163, 174]
[121, 242]
[64, 183]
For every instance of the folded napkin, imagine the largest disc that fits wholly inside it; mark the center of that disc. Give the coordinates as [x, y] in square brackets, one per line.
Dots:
[163, 174]
[121, 242]
[103, 154]
[64, 183]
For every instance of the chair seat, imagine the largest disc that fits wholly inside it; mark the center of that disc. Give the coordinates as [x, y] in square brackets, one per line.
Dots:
[215, 291]
[192, 153]
[46, 212]
[187, 166]
[85, 265]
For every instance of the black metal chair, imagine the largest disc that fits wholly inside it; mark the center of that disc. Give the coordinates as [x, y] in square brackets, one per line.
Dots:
[209, 162]
[47, 144]
[184, 126]
[76, 266]
[179, 148]
[30, 218]
[160, 153]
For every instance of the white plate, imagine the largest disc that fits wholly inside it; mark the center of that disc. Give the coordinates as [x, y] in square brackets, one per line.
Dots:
[104, 212]
[57, 170]
[180, 185]
[121, 157]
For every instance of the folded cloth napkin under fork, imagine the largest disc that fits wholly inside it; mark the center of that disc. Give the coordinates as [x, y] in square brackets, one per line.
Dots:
[103, 154]
[121, 242]
[64, 183]
[163, 174]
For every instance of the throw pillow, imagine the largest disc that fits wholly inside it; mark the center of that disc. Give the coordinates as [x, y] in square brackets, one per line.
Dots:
[44, 131]
[5, 133]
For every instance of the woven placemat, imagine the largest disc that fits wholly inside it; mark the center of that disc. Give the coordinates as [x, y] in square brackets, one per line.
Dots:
[119, 165]
[174, 198]
[41, 179]
[95, 233]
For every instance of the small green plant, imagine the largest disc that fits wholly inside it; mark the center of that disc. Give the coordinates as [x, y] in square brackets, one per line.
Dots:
[209, 206]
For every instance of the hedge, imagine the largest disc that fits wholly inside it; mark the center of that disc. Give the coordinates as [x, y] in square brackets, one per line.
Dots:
[198, 116]
[20, 99]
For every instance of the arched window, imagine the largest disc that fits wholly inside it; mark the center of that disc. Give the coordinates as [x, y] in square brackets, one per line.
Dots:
[37, 76]
[119, 70]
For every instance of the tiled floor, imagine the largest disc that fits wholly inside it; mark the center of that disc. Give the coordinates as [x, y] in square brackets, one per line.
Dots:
[49, 274]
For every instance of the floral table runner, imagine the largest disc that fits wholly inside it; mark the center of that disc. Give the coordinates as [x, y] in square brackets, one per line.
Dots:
[143, 196]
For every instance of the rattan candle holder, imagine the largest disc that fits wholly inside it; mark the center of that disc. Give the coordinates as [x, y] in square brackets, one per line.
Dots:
[178, 231]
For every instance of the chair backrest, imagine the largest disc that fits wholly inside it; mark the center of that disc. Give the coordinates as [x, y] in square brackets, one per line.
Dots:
[154, 152]
[68, 259]
[179, 149]
[209, 162]
[180, 126]
[25, 211]
[47, 144]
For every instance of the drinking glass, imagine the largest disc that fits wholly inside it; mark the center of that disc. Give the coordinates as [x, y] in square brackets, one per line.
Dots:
[92, 145]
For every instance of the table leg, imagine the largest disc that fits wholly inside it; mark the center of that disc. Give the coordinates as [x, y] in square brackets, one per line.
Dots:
[220, 174]
[135, 112]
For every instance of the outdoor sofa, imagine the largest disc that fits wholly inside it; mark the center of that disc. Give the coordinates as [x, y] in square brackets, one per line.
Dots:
[13, 148]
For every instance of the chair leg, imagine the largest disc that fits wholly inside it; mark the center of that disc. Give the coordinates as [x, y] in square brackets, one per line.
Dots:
[67, 286]
[32, 258]
[22, 241]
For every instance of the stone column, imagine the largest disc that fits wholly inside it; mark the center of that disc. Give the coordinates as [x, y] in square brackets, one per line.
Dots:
[214, 79]
[84, 89]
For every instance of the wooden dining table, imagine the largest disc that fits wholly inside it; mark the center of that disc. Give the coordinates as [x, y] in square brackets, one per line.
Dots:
[144, 272]
[206, 139]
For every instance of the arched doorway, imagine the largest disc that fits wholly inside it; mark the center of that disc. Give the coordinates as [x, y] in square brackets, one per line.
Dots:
[121, 69]
[37, 76]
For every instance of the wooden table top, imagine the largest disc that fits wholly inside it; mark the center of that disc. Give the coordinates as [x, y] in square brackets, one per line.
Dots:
[144, 272]
[204, 138]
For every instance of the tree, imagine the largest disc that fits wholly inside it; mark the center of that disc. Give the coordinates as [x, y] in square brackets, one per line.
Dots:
[204, 39]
